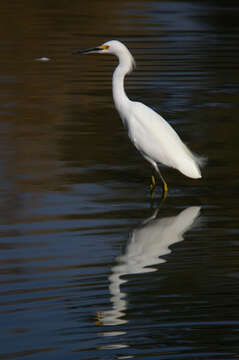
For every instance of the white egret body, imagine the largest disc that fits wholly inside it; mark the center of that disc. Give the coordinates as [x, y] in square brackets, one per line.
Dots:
[153, 137]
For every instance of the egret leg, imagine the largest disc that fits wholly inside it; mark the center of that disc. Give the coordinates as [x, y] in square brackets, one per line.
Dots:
[152, 186]
[165, 186]
[153, 183]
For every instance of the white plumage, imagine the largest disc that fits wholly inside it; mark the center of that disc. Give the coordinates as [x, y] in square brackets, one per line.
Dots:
[154, 138]
[171, 151]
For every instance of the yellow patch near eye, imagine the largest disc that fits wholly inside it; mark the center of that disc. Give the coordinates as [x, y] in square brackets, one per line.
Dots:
[104, 47]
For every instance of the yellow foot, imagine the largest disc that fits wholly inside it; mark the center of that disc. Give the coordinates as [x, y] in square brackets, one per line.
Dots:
[152, 186]
[165, 190]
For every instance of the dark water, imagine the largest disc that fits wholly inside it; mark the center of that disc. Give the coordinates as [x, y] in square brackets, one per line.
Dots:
[90, 268]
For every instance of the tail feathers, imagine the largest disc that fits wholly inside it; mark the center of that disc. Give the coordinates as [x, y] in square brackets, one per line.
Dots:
[200, 160]
[191, 166]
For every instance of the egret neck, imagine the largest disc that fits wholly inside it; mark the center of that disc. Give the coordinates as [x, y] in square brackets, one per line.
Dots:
[121, 100]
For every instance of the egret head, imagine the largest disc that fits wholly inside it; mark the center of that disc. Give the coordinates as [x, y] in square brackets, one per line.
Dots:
[113, 47]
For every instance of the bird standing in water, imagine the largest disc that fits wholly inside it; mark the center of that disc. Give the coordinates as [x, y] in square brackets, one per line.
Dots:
[152, 136]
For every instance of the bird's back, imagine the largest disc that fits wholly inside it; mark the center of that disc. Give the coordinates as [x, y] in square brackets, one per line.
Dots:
[157, 140]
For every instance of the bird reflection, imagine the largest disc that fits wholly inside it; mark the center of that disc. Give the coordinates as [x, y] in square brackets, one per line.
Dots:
[146, 245]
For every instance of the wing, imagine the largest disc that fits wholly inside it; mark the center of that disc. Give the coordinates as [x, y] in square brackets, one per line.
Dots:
[156, 139]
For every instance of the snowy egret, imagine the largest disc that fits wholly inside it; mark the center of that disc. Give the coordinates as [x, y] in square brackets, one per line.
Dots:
[152, 136]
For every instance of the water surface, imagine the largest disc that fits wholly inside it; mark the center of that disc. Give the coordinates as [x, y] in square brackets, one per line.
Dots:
[91, 268]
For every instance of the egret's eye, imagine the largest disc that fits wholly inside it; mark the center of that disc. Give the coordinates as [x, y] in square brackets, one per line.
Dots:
[104, 47]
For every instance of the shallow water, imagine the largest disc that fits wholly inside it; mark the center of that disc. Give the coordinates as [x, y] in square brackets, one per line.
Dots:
[91, 268]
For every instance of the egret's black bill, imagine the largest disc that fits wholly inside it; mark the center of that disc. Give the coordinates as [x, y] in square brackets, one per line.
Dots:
[86, 51]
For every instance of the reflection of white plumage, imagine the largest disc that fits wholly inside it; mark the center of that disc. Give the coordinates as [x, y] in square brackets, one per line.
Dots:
[155, 139]
[146, 246]
[153, 238]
